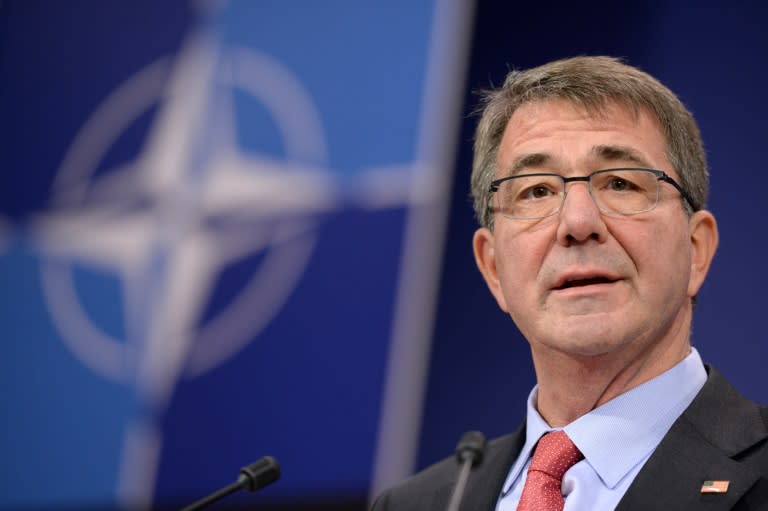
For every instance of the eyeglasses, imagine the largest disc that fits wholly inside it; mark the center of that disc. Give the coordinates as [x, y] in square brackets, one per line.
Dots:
[615, 192]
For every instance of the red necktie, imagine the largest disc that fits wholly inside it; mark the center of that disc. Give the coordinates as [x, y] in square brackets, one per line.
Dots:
[554, 454]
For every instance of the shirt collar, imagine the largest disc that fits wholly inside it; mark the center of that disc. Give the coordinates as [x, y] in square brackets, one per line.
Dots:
[618, 434]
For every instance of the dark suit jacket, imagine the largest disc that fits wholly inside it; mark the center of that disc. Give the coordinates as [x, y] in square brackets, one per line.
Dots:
[721, 436]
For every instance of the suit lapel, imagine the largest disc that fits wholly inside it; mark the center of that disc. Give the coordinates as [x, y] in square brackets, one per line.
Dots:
[700, 446]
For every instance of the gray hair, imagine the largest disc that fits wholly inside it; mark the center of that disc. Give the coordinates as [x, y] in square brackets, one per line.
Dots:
[592, 83]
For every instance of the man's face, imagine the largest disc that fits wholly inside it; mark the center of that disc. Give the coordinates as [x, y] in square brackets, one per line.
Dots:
[581, 282]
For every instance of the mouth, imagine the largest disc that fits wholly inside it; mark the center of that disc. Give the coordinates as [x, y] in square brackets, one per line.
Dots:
[584, 281]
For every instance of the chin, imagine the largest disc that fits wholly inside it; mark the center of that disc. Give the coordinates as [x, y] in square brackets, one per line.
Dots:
[592, 350]
[589, 341]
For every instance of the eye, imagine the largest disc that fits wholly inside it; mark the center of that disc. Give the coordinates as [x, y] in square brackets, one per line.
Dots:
[618, 184]
[537, 192]
[531, 188]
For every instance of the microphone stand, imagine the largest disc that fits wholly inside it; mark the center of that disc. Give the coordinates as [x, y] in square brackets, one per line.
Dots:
[469, 452]
[257, 475]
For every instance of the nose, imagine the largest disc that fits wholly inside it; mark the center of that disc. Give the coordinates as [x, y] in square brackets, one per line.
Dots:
[580, 218]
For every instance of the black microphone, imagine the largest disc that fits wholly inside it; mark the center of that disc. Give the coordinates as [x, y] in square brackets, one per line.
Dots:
[257, 475]
[469, 453]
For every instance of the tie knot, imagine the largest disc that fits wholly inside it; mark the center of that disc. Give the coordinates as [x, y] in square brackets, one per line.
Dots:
[555, 454]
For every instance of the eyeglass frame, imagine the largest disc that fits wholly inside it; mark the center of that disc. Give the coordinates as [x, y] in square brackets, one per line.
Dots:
[660, 176]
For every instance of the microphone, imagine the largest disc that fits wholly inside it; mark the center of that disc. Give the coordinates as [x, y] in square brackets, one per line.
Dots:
[257, 475]
[469, 453]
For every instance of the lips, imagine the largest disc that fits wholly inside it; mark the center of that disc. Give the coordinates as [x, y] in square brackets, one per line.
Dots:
[585, 282]
[567, 282]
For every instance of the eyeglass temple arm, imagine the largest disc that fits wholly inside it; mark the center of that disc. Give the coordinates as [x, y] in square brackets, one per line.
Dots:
[680, 189]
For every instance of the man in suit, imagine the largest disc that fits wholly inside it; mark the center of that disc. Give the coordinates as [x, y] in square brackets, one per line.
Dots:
[590, 183]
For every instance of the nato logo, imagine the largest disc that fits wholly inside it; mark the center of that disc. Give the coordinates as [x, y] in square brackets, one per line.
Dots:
[167, 223]
[250, 206]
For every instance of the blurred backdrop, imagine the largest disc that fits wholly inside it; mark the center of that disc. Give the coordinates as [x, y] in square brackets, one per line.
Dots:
[231, 229]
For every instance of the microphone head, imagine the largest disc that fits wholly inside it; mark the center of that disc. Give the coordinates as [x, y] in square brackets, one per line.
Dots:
[471, 447]
[260, 473]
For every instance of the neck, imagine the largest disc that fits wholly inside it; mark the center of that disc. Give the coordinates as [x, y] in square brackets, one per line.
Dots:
[572, 385]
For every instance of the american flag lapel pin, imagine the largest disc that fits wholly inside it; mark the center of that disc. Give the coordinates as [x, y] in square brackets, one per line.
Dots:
[715, 486]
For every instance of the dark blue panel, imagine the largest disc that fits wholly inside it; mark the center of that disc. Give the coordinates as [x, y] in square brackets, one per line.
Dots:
[713, 57]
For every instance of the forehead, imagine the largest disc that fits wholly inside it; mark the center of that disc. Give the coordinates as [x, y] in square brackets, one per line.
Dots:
[557, 133]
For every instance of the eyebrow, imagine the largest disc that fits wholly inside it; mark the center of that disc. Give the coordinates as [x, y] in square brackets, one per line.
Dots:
[524, 161]
[620, 153]
[608, 153]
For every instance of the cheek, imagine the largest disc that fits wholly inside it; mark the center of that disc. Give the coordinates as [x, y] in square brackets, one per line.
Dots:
[661, 256]
[519, 263]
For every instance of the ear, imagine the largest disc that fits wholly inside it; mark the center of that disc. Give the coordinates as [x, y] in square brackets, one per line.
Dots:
[704, 239]
[484, 245]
